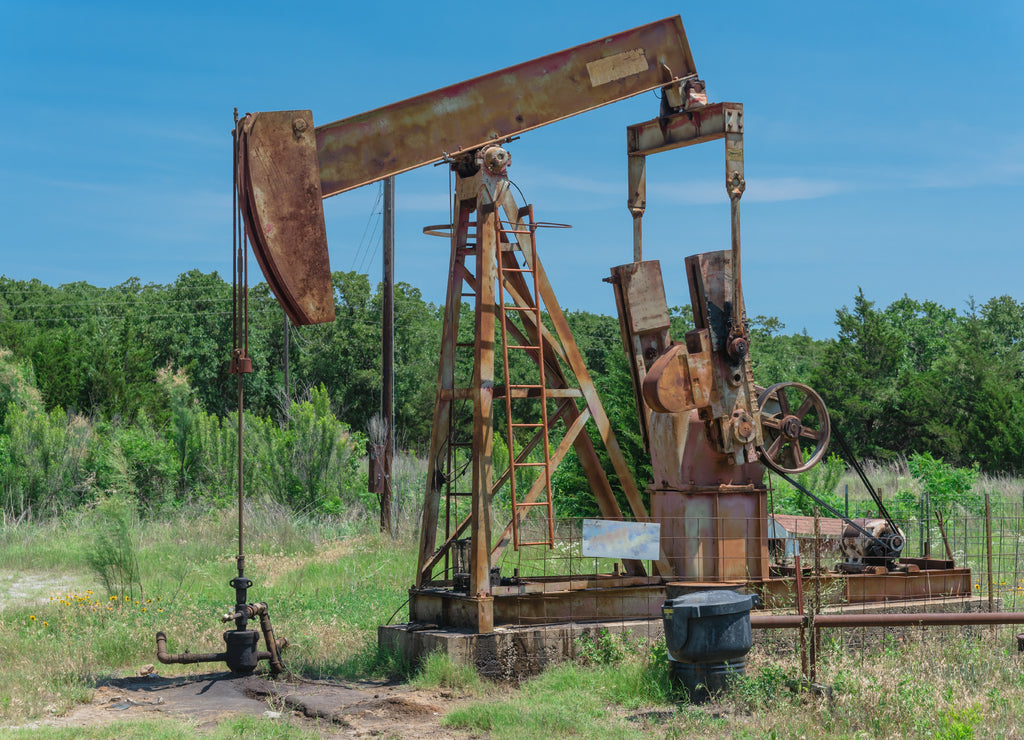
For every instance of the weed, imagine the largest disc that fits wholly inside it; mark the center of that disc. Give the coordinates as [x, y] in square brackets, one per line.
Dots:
[762, 689]
[603, 647]
[112, 555]
[438, 670]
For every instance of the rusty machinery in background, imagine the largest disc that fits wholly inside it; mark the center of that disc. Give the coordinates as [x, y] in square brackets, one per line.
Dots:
[709, 430]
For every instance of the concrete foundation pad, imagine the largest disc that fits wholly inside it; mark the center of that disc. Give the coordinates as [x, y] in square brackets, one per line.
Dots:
[509, 653]
[514, 653]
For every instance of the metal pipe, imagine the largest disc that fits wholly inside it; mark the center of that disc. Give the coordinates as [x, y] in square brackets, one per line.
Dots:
[185, 657]
[251, 611]
[268, 637]
[816, 609]
[988, 551]
[800, 612]
[928, 619]
[913, 620]
[777, 621]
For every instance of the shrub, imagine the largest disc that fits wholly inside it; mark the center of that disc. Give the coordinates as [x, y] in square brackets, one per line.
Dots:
[112, 553]
[44, 469]
[151, 462]
[313, 463]
[949, 489]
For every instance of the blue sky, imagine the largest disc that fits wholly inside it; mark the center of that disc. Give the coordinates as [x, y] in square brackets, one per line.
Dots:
[884, 141]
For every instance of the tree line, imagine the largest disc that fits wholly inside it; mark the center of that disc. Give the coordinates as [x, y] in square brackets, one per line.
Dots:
[140, 374]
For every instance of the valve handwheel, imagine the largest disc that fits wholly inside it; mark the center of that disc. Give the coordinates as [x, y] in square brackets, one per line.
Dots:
[795, 428]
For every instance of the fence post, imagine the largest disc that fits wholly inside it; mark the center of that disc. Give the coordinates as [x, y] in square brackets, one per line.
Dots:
[988, 550]
[922, 513]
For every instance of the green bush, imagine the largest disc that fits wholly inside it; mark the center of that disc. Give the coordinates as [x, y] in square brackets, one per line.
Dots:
[44, 469]
[313, 463]
[17, 385]
[151, 462]
[949, 489]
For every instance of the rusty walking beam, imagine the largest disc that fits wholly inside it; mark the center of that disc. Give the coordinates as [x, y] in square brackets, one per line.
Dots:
[286, 167]
[399, 137]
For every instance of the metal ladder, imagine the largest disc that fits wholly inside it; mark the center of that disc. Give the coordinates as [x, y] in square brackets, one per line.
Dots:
[516, 337]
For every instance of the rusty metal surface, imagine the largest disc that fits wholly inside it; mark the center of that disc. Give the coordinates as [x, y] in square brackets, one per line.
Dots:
[643, 288]
[667, 386]
[557, 599]
[478, 207]
[915, 619]
[933, 619]
[447, 609]
[714, 534]
[794, 438]
[733, 417]
[643, 322]
[370, 146]
[279, 196]
[681, 379]
[682, 456]
[684, 129]
[862, 588]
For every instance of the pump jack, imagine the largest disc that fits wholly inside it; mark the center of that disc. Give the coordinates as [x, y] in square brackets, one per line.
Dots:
[710, 431]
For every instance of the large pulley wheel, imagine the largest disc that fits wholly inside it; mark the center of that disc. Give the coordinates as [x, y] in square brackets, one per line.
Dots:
[794, 426]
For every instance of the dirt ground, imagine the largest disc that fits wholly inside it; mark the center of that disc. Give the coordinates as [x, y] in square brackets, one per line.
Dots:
[334, 710]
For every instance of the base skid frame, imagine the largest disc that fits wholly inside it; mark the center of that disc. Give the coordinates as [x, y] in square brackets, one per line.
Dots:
[559, 600]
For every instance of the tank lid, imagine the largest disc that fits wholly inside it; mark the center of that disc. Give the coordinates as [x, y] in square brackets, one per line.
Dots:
[711, 603]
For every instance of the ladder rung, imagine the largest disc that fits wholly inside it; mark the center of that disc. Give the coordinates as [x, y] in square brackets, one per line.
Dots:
[529, 465]
[517, 269]
[523, 346]
[525, 425]
[531, 504]
[535, 309]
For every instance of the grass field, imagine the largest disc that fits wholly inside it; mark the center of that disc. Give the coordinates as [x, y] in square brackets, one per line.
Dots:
[330, 582]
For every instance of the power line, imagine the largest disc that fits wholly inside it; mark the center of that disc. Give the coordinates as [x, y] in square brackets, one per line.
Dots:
[363, 241]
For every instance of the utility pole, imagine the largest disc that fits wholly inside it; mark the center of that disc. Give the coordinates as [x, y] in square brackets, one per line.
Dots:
[388, 351]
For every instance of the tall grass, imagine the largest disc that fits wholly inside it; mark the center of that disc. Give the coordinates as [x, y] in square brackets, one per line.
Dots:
[933, 687]
[329, 581]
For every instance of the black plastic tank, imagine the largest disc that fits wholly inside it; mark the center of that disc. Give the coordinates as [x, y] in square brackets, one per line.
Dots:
[708, 637]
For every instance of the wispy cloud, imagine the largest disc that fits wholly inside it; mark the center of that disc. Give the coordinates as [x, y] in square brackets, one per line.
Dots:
[760, 190]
